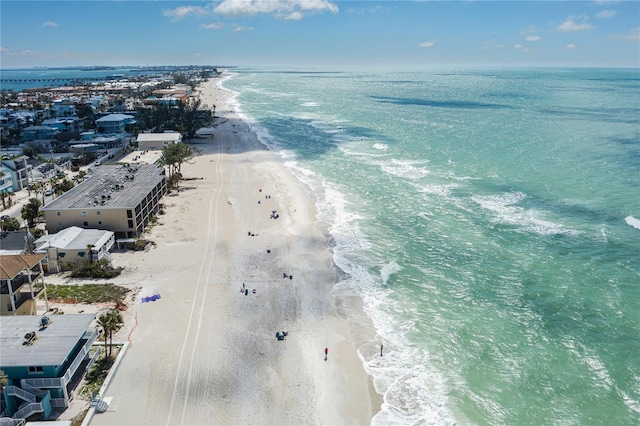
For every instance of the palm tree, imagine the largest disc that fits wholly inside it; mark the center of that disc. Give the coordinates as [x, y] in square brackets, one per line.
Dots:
[110, 321]
[31, 211]
[5, 196]
[90, 249]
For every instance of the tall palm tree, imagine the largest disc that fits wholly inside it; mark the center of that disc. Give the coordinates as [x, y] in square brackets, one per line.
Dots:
[31, 211]
[6, 196]
[110, 322]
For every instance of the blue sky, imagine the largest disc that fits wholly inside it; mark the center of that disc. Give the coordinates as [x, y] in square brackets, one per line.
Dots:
[316, 33]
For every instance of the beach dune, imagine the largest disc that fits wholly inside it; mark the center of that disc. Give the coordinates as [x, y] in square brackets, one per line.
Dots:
[238, 257]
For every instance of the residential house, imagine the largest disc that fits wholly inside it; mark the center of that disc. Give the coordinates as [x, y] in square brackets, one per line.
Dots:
[19, 169]
[12, 242]
[73, 245]
[122, 199]
[64, 107]
[68, 124]
[114, 123]
[6, 183]
[33, 133]
[21, 283]
[44, 358]
[157, 141]
[82, 147]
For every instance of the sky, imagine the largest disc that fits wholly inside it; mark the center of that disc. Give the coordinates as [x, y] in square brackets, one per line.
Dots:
[319, 33]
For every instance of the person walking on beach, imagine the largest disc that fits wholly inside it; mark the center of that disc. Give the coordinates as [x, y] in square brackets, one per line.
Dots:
[381, 346]
[326, 353]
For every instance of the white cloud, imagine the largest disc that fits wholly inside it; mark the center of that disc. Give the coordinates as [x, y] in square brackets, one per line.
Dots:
[632, 35]
[238, 28]
[532, 29]
[517, 46]
[606, 14]
[197, 54]
[214, 26]
[533, 38]
[8, 52]
[181, 12]
[429, 43]
[49, 24]
[570, 46]
[574, 23]
[294, 16]
[285, 9]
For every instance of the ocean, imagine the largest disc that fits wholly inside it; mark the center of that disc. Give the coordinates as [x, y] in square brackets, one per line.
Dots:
[490, 221]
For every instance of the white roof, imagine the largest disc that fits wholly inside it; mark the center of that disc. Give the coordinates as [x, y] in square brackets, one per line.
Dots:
[152, 137]
[74, 238]
[114, 117]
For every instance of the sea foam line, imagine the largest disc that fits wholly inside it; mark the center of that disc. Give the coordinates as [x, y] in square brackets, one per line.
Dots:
[411, 395]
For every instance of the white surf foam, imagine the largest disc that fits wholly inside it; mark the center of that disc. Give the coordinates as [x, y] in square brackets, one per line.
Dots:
[389, 269]
[632, 221]
[407, 169]
[505, 211]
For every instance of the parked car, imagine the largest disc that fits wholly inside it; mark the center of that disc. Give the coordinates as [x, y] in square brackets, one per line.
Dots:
[97, 163]
[48, 192]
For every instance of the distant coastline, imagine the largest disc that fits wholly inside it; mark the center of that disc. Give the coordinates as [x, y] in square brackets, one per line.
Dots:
[18, 79]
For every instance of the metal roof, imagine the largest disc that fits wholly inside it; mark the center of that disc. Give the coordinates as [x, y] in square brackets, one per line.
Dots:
[114, 117]
[169, 137]
[53, 344]
[74, 238]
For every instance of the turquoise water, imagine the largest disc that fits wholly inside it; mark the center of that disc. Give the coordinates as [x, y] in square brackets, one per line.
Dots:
[489, 219]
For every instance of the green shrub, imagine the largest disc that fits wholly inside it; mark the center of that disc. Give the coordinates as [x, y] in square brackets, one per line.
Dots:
[88, 293]
[99, 269]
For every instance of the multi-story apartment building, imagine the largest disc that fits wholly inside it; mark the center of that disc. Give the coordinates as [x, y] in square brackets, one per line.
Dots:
[122, 199]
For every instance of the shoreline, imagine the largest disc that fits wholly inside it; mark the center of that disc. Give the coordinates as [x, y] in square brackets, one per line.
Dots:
[216, 356]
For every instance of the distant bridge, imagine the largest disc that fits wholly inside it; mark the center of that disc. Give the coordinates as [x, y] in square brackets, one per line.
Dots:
[58, 79]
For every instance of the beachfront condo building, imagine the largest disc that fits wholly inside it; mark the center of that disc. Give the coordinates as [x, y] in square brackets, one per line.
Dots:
[44, 358]
[122, 199]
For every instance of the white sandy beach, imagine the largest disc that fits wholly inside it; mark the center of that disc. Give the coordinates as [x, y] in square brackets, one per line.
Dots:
[205, 353]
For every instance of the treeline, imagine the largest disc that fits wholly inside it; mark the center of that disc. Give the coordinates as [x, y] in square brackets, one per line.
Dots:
[185, 118]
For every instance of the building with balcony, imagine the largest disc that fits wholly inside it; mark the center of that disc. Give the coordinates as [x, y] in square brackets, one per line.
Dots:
[122, 199]
[44, 358]
[21, 283]
[36, 133]
[114, 123]
[19, 169]
[6, 183]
